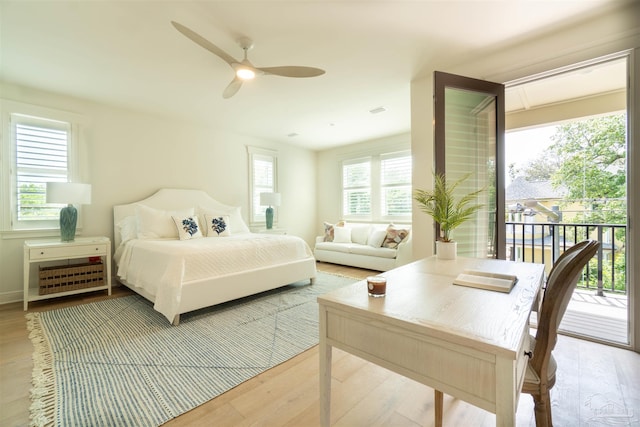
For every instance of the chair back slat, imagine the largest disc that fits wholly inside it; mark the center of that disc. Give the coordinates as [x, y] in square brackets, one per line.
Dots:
[562, 280]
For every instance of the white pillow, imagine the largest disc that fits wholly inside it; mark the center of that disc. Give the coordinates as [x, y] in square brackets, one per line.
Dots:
[341, 235]
[236, 223]
[188, 227]
[359, 234]
[156, 223]
[127, 228]
[376, 237]
[218, 226]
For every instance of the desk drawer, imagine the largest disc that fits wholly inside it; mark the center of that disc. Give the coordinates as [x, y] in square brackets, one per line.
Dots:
[68, 252]
[523, 360]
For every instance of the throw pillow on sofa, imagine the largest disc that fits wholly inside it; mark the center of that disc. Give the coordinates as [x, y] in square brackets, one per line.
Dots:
[394, 237]
[341, 235]
[359, 233]
[328, 230]
[376, 237]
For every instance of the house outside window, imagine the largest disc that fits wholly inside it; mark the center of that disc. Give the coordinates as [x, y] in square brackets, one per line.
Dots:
[40, 148]
[263, 171]
[377, 187]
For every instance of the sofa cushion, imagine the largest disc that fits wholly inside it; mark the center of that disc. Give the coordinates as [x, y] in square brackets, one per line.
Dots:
[369, 251]
[354, 248]
[360, 233]
[335, 247]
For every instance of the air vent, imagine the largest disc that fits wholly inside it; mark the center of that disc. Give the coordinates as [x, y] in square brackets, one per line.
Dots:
[378, 110]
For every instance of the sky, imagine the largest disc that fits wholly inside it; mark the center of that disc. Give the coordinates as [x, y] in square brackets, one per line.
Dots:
[523, 146]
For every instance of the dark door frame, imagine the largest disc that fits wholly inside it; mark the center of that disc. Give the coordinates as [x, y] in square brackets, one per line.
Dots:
[443, 80]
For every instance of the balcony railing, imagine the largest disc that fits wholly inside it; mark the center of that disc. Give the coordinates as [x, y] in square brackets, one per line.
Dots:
[544, 242]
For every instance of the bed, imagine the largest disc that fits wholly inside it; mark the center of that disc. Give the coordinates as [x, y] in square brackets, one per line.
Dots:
[171, 250]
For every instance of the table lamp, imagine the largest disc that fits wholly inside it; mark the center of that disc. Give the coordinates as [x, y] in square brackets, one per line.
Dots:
[70, 193]
[269, 199]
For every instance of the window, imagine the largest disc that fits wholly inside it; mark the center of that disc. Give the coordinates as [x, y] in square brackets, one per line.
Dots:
[395, 173]
[377, 187]
[39, 149]
[356, 188]
[263, 172]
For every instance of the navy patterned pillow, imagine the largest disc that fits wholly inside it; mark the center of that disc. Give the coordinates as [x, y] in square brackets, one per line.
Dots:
[217, 226]
[188, 227]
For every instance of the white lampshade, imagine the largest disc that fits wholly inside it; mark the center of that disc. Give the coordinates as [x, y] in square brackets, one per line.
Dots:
[269, 199]
[69, 193]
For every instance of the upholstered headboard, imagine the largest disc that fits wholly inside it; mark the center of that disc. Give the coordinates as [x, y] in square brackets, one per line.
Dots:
[169, 199]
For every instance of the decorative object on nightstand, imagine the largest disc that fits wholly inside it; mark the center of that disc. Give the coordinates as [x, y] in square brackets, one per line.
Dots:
[70, 193]
[269, 199]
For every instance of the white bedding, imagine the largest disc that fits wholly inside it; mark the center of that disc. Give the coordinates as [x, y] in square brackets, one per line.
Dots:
[163, 266]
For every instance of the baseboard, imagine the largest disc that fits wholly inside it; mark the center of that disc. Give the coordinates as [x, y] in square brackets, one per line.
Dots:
[10, 297]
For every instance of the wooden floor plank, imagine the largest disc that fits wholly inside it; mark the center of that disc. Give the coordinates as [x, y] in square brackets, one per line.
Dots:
[287, 395]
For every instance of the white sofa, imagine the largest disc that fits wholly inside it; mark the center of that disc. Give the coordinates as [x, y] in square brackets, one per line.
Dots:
[361, 245]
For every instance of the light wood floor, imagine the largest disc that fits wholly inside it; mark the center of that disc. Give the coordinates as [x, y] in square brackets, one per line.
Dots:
[597, 385]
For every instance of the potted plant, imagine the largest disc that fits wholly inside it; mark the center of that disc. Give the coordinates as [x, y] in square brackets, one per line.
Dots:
[447, 211]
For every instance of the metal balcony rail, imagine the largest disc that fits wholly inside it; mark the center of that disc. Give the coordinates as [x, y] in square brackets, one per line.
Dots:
[544, 242]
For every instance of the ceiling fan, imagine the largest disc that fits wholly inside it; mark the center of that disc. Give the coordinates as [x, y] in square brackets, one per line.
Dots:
[244, 69]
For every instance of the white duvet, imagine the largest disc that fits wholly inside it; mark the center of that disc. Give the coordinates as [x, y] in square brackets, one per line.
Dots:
[162, 266]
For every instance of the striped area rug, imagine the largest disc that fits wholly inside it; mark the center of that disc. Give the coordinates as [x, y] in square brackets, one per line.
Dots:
[120, 363]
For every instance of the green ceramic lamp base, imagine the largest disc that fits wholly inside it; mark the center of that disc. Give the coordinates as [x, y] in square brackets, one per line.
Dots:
[68, 221]
[269, 215]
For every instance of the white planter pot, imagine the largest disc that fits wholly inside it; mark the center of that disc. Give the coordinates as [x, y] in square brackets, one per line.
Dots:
[446, 250]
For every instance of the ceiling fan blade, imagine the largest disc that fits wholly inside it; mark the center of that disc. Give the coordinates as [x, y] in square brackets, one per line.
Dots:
[232, 88]
[293, 71]
[197, 38]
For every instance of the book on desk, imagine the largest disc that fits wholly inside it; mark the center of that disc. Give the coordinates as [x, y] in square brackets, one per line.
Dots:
[486, 280]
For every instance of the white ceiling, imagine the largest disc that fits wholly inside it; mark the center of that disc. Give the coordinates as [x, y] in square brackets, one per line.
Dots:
[127, 54]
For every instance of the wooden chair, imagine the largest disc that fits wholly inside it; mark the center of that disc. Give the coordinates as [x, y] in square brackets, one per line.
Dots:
[540, 376]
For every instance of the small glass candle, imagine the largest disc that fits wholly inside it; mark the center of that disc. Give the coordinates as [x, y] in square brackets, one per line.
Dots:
[376, 286]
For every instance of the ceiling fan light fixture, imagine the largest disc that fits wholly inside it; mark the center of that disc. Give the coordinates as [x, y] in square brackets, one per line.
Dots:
[244, 70]
[245, 73]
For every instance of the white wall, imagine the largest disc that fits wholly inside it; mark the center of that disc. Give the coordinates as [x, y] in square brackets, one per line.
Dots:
[329, 166]
[128, 155]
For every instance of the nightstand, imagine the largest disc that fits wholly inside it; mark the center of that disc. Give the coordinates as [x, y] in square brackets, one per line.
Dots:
[70, 278]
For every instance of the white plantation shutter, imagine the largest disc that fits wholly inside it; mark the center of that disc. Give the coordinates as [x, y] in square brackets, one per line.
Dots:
[356, 187]
[41, 155]
[263, 170]
[377, 187]
[262, 183]
[395, 183]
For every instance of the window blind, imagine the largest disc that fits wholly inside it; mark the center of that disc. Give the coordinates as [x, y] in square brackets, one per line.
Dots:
[42, 155]
[356, 187]
[263, 167]
[395, 171]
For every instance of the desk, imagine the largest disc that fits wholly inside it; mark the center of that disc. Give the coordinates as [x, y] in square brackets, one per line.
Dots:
[469, 343]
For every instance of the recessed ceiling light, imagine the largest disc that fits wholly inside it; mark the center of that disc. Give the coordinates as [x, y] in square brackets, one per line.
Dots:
[378, 110]
[292, 134]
